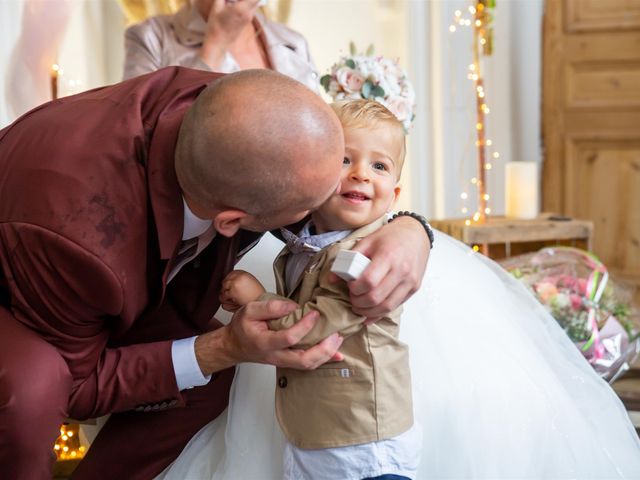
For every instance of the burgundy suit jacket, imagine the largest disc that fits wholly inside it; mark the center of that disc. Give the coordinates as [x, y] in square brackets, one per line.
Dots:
[91, 217]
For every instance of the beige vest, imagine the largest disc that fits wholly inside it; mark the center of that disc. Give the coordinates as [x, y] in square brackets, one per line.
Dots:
[366, 397]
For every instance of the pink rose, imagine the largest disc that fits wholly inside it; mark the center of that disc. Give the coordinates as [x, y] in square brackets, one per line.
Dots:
[568, 281]
[582, 286]
[350, 80]
[576, 301]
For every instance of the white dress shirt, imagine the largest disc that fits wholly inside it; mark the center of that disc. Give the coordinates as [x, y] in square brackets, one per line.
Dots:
[183, 353]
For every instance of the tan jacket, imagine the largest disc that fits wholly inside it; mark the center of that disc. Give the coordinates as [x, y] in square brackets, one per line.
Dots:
[166, 40]
[366, 397]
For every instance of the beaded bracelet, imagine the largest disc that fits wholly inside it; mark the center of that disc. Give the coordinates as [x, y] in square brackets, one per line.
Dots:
[421, 219]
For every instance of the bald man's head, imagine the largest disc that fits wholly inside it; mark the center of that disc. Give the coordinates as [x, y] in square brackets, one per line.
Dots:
[259, 142]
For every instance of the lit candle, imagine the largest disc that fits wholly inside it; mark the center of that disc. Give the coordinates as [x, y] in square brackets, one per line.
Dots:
[522, 189]
[55, 71]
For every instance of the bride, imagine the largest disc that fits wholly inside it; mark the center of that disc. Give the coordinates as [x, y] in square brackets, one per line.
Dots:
[499, 389]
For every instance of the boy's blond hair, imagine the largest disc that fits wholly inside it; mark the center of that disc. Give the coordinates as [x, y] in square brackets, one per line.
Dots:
[363, 113]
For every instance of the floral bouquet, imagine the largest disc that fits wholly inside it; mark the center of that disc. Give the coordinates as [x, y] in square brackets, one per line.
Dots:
[372, 77]
[575, 287]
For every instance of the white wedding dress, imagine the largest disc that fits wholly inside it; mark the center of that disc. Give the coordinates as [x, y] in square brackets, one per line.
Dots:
[499, 389]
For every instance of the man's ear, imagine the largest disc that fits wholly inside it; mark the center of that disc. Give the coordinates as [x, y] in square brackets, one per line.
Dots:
[228, 222]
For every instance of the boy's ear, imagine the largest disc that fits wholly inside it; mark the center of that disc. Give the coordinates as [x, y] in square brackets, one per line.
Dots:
[396, 193]
[228, 222]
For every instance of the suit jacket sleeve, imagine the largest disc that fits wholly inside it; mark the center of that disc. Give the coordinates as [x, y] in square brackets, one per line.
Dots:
[70, 297]
[331, 300]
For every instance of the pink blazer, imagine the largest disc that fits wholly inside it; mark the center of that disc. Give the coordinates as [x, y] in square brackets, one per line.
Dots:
[176, 39]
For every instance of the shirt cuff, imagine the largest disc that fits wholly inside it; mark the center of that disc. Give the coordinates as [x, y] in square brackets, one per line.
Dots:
[185, 364]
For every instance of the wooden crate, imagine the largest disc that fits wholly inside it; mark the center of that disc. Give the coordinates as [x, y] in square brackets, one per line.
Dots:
[503, 237]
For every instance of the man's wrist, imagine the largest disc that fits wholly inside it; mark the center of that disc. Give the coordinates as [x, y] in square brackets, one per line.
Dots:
[215, 351]
[419, 218]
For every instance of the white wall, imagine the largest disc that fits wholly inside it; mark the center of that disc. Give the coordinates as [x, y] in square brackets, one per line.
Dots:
[441, 156]
[10, 24]
[84, 36]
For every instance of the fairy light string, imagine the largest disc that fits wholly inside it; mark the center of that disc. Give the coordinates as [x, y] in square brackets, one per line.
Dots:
[67, 445]
[480, 18]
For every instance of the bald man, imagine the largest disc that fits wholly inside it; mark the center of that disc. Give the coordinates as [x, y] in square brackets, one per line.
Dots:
[121, 210]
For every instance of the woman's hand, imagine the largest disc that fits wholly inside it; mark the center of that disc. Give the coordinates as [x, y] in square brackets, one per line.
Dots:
[225, 22]
[238, 289]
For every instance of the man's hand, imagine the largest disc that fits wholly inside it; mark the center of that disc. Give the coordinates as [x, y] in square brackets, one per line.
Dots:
[398, 253]
[238, 289]
[247, 338]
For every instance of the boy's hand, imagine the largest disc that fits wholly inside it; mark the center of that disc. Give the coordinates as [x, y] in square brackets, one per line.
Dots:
[238, 289]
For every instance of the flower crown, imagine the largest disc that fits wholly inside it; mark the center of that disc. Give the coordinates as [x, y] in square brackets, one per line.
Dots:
[372, 77]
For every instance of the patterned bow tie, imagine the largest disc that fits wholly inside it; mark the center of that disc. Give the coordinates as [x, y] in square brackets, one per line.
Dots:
[297, 244]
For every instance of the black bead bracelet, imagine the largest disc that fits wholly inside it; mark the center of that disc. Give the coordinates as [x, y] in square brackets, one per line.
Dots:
[419, 218]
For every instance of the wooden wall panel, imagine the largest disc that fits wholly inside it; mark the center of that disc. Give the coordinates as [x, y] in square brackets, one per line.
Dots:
[591, 15]
[606, 189]
[603, 85]
[591, 123]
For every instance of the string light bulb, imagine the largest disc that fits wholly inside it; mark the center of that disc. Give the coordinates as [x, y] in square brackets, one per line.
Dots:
[67, 445]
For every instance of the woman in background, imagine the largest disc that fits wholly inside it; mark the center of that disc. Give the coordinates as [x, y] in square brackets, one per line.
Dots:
[218, 35]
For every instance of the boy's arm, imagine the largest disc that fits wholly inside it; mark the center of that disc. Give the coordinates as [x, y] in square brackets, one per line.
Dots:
[331, 301]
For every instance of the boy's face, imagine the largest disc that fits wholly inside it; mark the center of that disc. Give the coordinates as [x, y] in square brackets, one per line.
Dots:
[369, 180]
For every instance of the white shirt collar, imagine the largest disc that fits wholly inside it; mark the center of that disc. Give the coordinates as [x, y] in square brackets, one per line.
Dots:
[193, 226]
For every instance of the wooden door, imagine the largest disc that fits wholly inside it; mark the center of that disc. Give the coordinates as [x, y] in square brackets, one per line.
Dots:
[591, 123]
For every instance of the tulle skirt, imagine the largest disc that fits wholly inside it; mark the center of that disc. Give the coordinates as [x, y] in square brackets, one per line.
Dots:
[499, 389]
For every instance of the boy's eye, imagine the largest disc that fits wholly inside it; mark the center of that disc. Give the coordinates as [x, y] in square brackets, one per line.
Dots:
[379, 166]
[346, 161]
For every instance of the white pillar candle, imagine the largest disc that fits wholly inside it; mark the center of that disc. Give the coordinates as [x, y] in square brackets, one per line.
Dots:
[522, 189]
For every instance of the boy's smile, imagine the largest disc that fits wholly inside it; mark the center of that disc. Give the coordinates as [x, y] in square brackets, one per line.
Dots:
[369, 180]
